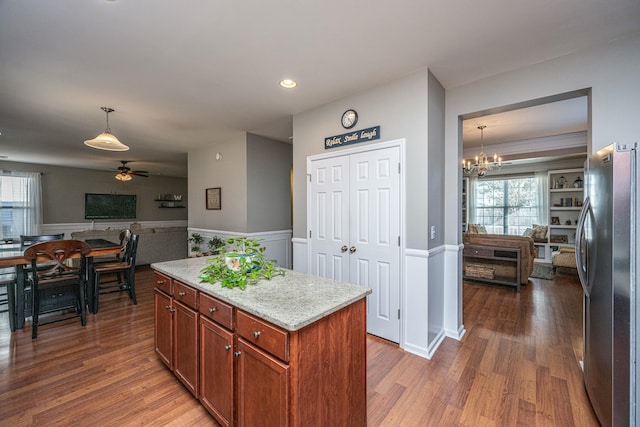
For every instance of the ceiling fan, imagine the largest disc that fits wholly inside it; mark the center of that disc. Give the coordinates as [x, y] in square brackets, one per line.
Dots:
[125, 173]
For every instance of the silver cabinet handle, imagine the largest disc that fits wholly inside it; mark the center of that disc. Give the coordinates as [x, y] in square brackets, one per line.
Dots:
[227, 347]
[211, 310]
[182, 293]
[256, 334]
[159, 282]
[167, 307]
[237, 353]
[344, 248]
[352, 249]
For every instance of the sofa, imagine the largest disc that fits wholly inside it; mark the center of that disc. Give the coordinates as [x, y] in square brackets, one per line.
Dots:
[528, 251]
[155, 245]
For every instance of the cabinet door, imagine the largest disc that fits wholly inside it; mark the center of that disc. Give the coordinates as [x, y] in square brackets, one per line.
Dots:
[163, 326]
[216, 371]
[185, 361]
[263, 388]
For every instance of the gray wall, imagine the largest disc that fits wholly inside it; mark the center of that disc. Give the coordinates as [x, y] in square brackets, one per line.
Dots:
[435, 120]
[269, 184]
[254, 174]
[400, 108]
[229, 173]
[63, 192]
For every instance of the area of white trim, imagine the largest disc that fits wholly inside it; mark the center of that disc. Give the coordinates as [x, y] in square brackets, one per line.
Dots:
[300, 257]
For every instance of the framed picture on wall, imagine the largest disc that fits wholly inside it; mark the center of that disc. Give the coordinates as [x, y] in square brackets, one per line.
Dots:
[214, 198]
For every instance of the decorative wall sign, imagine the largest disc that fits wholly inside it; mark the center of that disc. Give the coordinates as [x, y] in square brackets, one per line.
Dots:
[354, 137]
[214, 198]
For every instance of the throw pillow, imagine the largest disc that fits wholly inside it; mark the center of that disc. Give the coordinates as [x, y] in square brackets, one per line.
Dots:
[528, 232]
[477, 229]
[539, 232]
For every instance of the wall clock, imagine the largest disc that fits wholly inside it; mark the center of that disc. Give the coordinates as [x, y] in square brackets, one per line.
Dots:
[349, 119]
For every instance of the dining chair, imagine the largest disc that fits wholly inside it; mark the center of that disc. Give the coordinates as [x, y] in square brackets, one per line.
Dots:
[7, 278]
[126, 267]
[54, 277]
[124, 237]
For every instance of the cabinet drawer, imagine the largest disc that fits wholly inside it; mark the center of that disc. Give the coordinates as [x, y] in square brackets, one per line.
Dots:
[185, 294]
[477, 251]
[164, 283]
[216, 310]
[264, 335]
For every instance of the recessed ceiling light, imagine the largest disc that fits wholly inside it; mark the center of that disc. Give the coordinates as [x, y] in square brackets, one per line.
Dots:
[288, 83]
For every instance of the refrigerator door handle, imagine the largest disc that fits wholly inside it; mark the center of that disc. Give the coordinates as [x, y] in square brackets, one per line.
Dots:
[582, 268]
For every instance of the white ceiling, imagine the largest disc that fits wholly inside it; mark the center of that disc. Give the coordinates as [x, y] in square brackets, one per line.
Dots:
[183, 74]
[539, 121]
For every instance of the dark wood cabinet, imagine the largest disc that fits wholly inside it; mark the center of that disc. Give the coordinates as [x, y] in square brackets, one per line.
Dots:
[217, 388]
[176, 330]
[252, 372]
[185, 333]
[263, 388]
[163, 327]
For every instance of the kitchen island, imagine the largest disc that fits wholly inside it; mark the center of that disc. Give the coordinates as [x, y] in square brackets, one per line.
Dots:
[289, 351]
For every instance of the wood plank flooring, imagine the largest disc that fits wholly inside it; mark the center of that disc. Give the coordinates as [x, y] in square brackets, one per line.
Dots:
[516, 365]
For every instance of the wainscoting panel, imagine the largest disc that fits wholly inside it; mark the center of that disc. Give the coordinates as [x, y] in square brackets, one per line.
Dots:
[300, 255]
[453, 325]
[423, 301]
[415, 303]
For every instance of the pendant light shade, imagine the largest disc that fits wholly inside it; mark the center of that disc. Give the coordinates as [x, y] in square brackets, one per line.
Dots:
[106, 140]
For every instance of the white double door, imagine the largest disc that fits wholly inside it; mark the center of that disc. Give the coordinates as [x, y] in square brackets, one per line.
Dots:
[354, 225]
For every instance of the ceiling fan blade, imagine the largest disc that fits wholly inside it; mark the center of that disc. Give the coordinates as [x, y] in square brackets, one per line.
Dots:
[143, 174]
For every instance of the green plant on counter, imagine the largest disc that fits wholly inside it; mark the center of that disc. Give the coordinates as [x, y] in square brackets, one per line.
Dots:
[216, 245]
[245, 264]
[196, 240]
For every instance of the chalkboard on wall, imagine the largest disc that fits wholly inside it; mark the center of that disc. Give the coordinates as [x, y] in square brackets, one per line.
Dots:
[109, 206]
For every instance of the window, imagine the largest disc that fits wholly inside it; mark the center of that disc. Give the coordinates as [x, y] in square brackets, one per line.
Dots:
[20, 204]
[508, 205]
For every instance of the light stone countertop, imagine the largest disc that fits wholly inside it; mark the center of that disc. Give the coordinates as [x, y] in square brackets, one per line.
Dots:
[292, 301]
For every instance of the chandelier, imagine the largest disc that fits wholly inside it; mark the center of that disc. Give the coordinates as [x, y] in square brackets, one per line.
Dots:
[106, 140]
[482, 165]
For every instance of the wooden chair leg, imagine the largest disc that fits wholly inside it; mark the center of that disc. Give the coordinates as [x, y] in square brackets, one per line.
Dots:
[83, 305]
[34, 315]
[132, 287]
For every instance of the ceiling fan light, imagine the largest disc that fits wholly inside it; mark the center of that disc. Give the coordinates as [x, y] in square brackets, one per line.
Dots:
[123, 176]
[106, 141]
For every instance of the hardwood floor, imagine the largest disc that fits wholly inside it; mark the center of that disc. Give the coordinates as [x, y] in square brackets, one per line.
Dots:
[516, 365]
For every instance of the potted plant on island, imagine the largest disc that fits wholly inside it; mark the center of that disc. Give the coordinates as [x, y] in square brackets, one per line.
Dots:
[196, 240]
[216, 245]
[245, 264]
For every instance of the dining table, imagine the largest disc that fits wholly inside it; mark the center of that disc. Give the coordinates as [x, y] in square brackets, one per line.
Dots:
[16, 289]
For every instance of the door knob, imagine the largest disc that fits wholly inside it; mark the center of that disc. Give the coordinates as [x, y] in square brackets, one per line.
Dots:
[344, 248]
[352, 249]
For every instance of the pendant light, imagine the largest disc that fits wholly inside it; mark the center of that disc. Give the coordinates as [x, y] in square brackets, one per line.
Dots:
[106, 140]
[482, 164]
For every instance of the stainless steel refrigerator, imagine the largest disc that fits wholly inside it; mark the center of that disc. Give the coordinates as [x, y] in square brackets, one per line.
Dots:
[607, 266]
